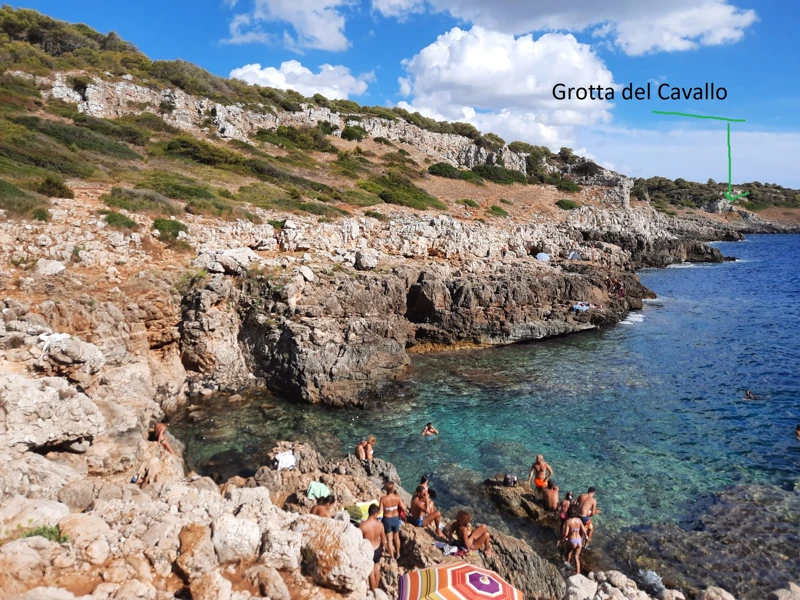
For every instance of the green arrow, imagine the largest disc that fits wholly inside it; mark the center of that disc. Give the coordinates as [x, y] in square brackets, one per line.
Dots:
[729, 194]
[732, 198]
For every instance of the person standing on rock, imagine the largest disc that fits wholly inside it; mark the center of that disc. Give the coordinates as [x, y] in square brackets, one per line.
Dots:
[373, 531]
[370, 447]
[587, 508]
[361, 450]
[392, 504]
[563, 513]
[543, 472]
[574, 534]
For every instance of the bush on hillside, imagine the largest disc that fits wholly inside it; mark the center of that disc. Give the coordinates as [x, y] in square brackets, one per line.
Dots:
[146, 201]
[499, 174]
[497, 211]
[565, 185]
[397, 189]
[567, 204]
[169, 228]
[117, 220]
[52, 186]
[354, 133]
[442, 169]
[78, 137]
[174, 186]
[469, 203]
[16, 202]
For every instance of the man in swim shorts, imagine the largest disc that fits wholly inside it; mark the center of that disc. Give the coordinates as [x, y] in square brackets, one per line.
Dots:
[587, 508]
[372, 530]
[543, 472]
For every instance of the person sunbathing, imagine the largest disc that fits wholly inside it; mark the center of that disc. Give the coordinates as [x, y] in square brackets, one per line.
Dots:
[423, 510]
[477, 539]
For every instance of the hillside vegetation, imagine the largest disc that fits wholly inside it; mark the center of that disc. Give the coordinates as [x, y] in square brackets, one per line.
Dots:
[158, 170]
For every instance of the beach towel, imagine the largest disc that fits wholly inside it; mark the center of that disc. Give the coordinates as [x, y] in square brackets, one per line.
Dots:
[317, 490]
[359, 511]
[286, 460]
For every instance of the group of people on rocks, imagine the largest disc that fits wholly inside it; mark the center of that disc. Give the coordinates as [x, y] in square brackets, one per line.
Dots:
[575, 515]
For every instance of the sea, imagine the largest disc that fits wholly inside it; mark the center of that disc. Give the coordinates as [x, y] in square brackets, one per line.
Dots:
[697, 484]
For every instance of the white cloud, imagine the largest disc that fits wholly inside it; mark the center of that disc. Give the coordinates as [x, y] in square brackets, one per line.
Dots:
[635, 26]
[317, 24]
[504, 84]
[331, 81]
[238, 36]
[698, 154]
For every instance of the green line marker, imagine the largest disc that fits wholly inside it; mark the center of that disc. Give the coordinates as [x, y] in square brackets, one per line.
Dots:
[729, 194]
[680, 114]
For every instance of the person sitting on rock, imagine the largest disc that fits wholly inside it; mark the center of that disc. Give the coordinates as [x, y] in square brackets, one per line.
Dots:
[392, 505]
[476, 539]
[324, 506]
[551, 495]
[373, 531]
[423, 510]
[160, 432]
[370, 447]
[423, 481]
[361, 450]
[430, 430]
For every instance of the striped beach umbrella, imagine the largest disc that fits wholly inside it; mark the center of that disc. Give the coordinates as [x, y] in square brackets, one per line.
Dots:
[456, 581]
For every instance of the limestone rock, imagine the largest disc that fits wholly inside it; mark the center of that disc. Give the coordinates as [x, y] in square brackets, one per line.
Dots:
[135, 589]
[211, 586]
[235, 539]
[676, 595]
[48, 268]
[715, 593]
[335, 554]
[268, 581]
[366, 260]
[47, 411]
[580, 588]
[33, 476]
[792, 593]
[197, 554]
[46, 593]
[307, 273]
[281, 549]
[23, 513]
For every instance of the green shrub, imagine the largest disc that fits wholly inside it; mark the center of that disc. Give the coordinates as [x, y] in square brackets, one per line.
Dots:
[17, 202]
[52, 186]
[146, 201]
[78, 137]
[117, 220]
[150, 121]
[472, 177]
[383, 140]
[117, 131]
[354, 133]
[496, 211]
[567, 204]
[587, 169]
[29, 154]
[469, 203]
[442, 169]
[17, 94]
[565, 185]
[361, 198]
[376, 215]
[277, 224]
[504, 201]
[58, 107]
[304, 138]
[169, 228]
[499, 174]
[40, 214]
[175, 186]
[369, 186]
[326, 127]
[49, 532]
[397, 189]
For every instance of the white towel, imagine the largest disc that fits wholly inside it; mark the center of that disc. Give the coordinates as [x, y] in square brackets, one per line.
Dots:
[286, 460]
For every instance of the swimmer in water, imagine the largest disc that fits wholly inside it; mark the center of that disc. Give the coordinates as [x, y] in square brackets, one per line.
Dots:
[430, 430]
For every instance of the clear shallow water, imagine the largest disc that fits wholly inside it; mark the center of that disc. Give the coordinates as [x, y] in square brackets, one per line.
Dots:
[650, 412]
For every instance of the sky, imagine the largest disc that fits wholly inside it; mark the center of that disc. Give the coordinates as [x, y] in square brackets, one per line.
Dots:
[494, 63]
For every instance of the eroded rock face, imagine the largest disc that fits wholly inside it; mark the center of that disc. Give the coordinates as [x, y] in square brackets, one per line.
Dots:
[45, 412]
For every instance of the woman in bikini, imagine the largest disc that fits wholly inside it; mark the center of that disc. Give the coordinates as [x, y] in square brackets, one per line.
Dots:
[479, 539]
[574, 535]
[423, 510]
[563, 514]
[391, 504]
[370, 447]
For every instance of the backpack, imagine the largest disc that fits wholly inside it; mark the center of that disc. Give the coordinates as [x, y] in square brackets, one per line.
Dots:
[510, 480]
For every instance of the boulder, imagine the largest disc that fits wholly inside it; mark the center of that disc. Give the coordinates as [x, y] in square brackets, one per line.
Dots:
[29, 514]
[235, 539]
[135, 589]
[715, 593]
[268, 581]
[580, 588]
[792, 593]
[48, 268]
[33, 476]
[197, 554]
[307, 273]
[45, 412]
[366, 260]
[211, 586]
[281, 549]
[83, 529]
[676, 595]
[335, 554]
[46, 593]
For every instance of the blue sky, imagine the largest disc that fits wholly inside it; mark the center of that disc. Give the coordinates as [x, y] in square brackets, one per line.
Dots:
[494, 64]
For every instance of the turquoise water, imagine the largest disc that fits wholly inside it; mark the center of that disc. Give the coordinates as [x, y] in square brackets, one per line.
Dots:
[650, 412]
